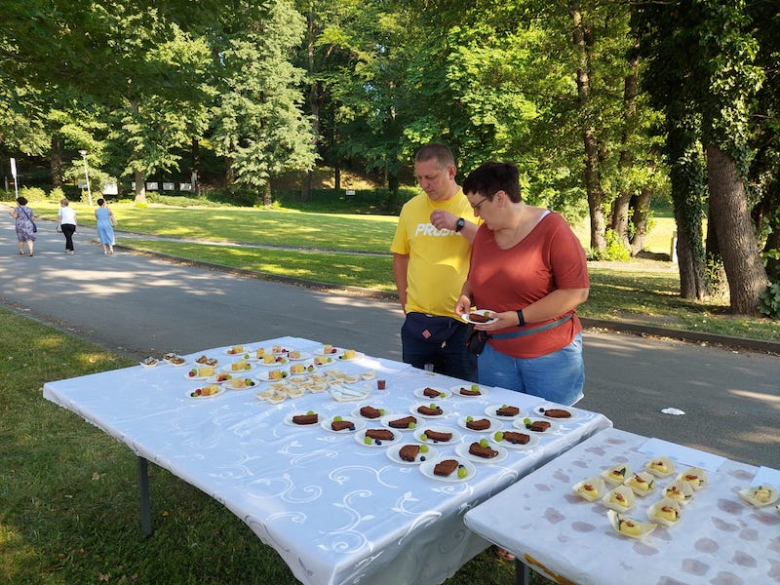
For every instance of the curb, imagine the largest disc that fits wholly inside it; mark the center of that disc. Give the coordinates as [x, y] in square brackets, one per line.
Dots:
[770, 347]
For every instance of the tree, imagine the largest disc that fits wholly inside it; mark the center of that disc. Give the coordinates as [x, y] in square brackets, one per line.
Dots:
[258, 122]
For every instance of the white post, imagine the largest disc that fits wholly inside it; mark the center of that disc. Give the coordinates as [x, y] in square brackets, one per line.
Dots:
[83, 153]
[13, 172]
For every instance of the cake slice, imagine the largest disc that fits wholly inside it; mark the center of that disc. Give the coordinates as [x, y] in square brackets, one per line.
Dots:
[437, 436]
[403, 423]
[556, 413]
[409, 453]
[380, 434]
[341, 425]
[432, 410]
[538, 426]
[480, 451]
[370, 412]
[516, 438]
[446, 467]
[305, 419]
[481, 424]
[469, 392]
[431, 393]
[508, 411]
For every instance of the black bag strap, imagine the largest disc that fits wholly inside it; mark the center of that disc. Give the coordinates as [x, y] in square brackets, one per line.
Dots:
[524, 332]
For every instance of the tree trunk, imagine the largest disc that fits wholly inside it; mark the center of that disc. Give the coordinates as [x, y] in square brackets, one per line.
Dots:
[691, 268]
[337, 177]
[230, 174]
[56, 161]
[195, 170]
[736, 236]
[314, 97]
[267, 198]
[140, 186]
[621, 206]
[583, 42]
[640, 214]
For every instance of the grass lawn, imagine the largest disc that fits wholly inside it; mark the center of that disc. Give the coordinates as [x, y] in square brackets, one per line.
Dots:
[328, 246]
[69, 502]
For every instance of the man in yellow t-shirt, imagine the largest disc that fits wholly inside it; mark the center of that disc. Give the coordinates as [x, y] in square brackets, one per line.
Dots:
[431, 251]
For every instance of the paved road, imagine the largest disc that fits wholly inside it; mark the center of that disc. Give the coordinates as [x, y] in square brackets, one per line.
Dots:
[139, 305]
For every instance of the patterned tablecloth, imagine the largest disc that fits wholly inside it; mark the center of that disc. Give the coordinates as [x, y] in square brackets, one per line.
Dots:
[718, 540]
[336, 509]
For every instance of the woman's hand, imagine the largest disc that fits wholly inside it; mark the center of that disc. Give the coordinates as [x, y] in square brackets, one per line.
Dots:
[505, 319]
[463, 306]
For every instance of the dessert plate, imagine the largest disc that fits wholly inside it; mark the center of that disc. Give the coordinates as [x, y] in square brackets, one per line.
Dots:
[190, 393]
[463, 451]
[444, 410]
[420, 431]
[520, 423]
[384, 409]
[443, 393]
[542, 408]
[393, 454]
[491, 411]
[476, 313]
[495, 425]
[288, 420]
[385, 421]
[532, 442]
[426, 468]
[360, 439]
[482, 391]
[359, 425]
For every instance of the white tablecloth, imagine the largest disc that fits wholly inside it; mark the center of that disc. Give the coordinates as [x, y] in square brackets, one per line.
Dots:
[719, 539]
[335, 510]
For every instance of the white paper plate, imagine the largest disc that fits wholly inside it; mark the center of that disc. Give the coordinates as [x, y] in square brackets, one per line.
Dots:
[394, 456]
[463, 451]
[321, 351]
[169, 362]
[426, 469]
[341, 357]
[150, 365]
[421, 428]
[519, 424]
[360, 424]
[491, 411]
[443, 393]
[444, 410]
[227, 368]
[385, 421]
[189, 392]
[288, 420]
[456, 391]
[537, 410]
[228, 384]
[495, 425]
[356, 412]
[360, 439]
[467, 317]
[304, 356]
[533, 440]
[247, 350]
[263, 375]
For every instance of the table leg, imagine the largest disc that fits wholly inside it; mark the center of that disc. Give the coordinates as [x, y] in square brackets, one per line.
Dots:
[522, 573]
[146, 507]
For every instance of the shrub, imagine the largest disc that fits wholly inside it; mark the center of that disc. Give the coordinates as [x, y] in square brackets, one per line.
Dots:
[56, 194]
[32, 193]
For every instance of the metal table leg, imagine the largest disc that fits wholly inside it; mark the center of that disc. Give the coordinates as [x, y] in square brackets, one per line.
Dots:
[146, 507]
[522, 573]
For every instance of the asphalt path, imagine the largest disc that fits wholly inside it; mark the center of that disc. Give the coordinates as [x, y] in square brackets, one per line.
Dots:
[140, 305]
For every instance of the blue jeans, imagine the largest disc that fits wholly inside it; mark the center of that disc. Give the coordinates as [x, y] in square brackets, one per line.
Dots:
[557, 377]
[450, 357]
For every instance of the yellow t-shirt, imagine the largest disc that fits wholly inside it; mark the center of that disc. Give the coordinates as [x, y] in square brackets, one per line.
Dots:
[438, 259]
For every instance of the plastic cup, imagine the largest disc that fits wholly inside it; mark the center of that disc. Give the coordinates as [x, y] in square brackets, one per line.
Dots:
[381, 384]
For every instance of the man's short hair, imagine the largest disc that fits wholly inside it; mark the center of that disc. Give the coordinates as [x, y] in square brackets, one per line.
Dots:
[437, 151]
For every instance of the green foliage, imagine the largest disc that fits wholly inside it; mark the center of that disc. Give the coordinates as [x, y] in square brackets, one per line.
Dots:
[32, 193]
[615, 250]
[769, 299]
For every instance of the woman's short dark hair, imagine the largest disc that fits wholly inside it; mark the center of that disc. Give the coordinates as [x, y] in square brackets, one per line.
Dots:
[21, 201]
[491, 177]
[101, 201]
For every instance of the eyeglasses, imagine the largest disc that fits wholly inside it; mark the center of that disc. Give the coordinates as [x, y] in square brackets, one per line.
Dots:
[476, 206]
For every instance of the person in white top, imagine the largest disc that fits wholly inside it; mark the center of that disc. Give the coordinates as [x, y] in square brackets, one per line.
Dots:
[67, 218]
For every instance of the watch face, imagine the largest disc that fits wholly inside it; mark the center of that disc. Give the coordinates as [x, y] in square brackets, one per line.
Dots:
[460, 224]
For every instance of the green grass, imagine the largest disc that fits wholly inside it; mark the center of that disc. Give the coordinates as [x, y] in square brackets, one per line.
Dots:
[639, 290]
[69, 502]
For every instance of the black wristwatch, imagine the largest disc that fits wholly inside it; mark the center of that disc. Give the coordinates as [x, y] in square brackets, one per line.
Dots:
[520, 318]
[460, 224]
